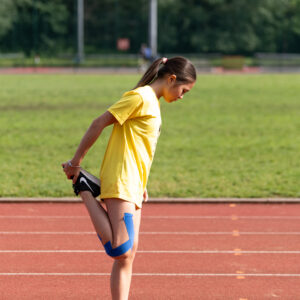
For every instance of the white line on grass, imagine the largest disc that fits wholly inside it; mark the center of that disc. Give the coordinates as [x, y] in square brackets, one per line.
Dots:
[155, 274]
[160, 251]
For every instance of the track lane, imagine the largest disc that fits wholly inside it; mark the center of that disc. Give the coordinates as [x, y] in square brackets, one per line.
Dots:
[156, 209]
[151, 263]
[157, 242]
[149, 288]
[146, 287]
[150, 225]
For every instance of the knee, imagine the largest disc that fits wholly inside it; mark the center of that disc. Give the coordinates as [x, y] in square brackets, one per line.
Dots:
[125, 257]
[123, 251]
[129, 255]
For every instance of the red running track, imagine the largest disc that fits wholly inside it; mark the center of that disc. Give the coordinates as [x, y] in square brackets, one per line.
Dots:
[190, 251]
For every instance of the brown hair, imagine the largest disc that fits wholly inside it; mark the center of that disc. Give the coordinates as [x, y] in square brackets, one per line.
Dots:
[181, 67]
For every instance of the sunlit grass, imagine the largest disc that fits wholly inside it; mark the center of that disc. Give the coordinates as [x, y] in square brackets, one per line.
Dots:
[231, 136]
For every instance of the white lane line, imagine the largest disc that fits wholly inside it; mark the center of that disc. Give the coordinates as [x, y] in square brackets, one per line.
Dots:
[225, 217]
[155, 274]
[160, 251]
[151, 233]
[43, 217]
[48, 232]
[164, 217]
[221, 233]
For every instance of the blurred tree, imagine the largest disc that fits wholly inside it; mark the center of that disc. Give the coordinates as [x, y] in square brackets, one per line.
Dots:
[38, 25]
[287, 24]
[7, 16]
[229, 26]
[108, 20]
[190, 26]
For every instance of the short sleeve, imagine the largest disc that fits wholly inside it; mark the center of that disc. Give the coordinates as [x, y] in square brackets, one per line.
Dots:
[127, 107]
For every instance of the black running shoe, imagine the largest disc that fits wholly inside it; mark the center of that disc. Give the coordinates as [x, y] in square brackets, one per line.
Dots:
[87, 182]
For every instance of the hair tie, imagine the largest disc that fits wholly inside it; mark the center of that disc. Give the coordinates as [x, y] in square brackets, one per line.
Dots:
[164, 60]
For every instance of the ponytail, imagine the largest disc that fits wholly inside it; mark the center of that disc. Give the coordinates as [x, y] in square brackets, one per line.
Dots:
[151, 73]
[181, 67]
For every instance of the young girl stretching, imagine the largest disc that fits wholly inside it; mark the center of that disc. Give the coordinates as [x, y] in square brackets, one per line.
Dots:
[126, 163]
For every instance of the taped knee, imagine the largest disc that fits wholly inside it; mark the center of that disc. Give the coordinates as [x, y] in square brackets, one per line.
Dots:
[122, 249]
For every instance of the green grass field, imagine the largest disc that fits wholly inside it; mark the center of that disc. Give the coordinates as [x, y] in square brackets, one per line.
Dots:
[231, 136]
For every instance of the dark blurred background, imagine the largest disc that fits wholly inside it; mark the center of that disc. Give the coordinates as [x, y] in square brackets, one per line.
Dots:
[44, 29]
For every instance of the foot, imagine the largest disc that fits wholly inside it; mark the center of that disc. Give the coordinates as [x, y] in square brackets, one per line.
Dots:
[87, 182]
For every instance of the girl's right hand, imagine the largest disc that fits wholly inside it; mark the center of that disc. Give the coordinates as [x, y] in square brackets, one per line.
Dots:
[71, 171]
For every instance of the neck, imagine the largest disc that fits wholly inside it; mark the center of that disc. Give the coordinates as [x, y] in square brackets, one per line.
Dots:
[157, 87]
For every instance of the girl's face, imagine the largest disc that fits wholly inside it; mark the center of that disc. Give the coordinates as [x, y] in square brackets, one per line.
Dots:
[175, 91]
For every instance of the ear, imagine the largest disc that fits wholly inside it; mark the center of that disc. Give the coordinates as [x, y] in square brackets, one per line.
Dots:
[171, 79]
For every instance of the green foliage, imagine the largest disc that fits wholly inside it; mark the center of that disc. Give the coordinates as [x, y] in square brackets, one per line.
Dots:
[233, 62]
[230, 26]
[38, 25]
[231, 136]
[7, 15]
[191, 26]
[109, 20]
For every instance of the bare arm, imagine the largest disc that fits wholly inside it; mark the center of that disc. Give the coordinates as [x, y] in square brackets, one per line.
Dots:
[145, 195]
[87, 141]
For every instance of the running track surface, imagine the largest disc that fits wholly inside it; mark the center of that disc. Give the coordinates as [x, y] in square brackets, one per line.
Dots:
[186, 251]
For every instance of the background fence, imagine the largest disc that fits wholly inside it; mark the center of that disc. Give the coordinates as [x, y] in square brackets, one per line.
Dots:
[266, 62]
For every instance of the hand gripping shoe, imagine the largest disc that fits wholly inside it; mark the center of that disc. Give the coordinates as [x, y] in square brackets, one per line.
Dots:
[87, 182]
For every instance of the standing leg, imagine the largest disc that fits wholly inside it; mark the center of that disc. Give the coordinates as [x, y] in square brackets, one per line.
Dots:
[111, 227]
[122, 267]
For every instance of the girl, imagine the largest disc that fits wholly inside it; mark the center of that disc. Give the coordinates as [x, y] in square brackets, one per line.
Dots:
[126, 163]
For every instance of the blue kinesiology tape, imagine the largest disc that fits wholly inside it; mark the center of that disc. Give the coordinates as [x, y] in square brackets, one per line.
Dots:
[125, 246]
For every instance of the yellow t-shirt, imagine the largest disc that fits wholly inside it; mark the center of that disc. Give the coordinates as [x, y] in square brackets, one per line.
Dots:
[129, 154]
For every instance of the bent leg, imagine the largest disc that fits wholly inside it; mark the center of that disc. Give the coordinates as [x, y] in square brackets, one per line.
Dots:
[98, 216]
[122, 267]
[126, 246]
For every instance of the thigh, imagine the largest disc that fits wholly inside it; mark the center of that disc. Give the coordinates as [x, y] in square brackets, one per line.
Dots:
[115, 210]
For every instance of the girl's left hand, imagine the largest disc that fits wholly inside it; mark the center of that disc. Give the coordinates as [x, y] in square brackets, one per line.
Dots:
[145, 196]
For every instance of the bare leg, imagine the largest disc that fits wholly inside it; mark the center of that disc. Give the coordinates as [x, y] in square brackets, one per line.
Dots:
[98, 216]
[122, 268]
[121, 278]
[111, 227]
